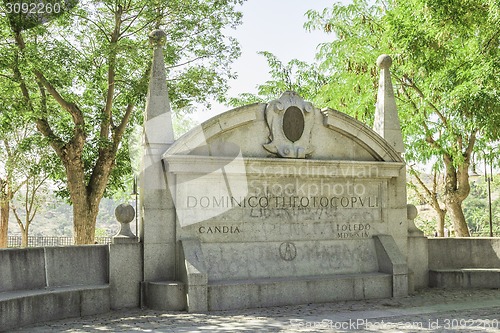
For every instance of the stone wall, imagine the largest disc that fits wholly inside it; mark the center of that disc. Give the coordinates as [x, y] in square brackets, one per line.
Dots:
[453, 253]
[49, 283]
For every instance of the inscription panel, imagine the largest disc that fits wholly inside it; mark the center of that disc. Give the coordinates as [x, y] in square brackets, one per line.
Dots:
[291, 200]
[279, 231]
[291, 258]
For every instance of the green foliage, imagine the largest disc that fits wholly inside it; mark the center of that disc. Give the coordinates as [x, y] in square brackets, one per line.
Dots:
[443, 68]
[82, 53]
[299, 76]
[445, 59]
[101, 232]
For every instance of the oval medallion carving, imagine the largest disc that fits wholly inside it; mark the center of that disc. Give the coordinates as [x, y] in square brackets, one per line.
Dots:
[293, 123]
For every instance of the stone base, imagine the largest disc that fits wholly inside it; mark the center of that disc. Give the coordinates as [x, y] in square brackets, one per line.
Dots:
[465, 278]
[124, 240]
[165, 295]
[242, 294]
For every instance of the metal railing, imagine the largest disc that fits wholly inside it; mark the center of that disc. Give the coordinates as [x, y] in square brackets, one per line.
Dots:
[38, 241]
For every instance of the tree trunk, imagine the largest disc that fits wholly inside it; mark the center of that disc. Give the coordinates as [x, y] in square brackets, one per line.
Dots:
[24, 236]
[456, 190]
[85, 201]
[440, 224]
[458, 218]
[84, 218]
[4, 223]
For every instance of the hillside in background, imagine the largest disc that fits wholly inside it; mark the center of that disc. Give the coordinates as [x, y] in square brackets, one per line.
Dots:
[55, 218]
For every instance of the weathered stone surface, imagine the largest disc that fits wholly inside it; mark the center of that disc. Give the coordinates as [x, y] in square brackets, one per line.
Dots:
[165, 295]
[125, 275]
[386, 121]
[159, 251]
[44, 284]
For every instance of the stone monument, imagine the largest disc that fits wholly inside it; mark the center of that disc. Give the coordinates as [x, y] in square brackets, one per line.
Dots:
[273, 204]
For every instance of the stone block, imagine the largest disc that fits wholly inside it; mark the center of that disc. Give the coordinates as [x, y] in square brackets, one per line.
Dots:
[389, 256]
[125, 275]
[77, 265]
[156, 198]
[166, 296]
[35, 306]
[482, 278]
[465, 278]
[377, 286]
[400, 285]
[418, 261]
[159, 261]
[22, 269]
[95, 300]
[464, 253]
[197, 298]
[269, 259]
[160, 227]
[226, 295]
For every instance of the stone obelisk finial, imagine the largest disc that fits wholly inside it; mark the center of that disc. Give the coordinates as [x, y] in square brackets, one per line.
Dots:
[386, 114]
[158, 120]
[157, 218]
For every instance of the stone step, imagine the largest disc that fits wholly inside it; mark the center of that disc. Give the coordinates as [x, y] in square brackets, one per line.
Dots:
[254, 293]
[464, 278]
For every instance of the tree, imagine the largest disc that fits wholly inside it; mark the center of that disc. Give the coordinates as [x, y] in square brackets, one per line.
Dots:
[25, 161]
[31, 200]
[445, 59]
[296, 75]
[429, 192]
[83, 78]
[6, 195]
[14, 141]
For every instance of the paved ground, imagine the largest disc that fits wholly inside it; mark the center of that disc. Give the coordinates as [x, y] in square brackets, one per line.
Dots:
[427, 311]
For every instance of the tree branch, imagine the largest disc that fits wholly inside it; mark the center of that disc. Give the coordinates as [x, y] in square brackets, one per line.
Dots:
[71, 108]
[470, 146]
[18, 219]
[120, 129]
[43, 126]
[422, 185]
[410, 83]
[107, 112]
[186, 63]
[101, 29]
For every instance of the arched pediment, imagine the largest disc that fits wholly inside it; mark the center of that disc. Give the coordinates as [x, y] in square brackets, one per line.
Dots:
[288, 127]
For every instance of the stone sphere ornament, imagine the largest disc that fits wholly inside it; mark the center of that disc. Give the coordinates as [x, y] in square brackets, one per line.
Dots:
[125, 214]
[384, 61]
[157, 38]
[411, 212]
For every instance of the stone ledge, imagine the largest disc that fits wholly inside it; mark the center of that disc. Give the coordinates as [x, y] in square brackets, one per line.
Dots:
[241, 294]
[295, 278]
[24, 307]
[9, 295]
[185, 164]
[464, 278]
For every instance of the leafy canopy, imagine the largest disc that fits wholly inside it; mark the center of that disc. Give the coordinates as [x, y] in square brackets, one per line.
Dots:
[445, 56]
[96, 56]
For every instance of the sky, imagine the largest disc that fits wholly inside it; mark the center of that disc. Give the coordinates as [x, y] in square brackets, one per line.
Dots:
[275, 26]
